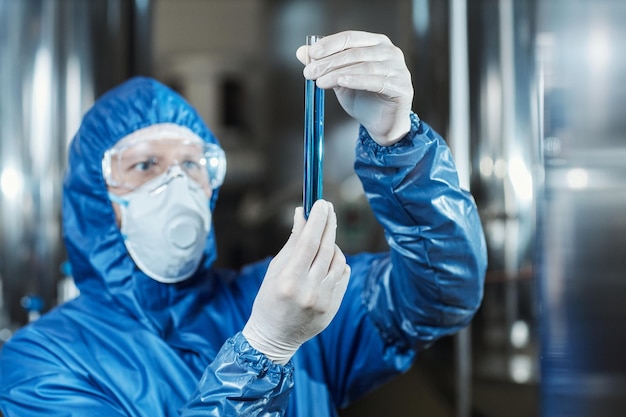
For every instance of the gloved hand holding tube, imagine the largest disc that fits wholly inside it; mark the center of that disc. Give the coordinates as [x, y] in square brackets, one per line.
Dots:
[369, 77]
[302, 289]
[305, 283]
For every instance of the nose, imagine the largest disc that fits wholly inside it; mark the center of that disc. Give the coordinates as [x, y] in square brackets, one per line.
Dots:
[175, 171]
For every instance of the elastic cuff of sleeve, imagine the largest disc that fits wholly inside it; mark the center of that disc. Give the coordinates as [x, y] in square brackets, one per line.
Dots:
[368, 142]
[249, 357]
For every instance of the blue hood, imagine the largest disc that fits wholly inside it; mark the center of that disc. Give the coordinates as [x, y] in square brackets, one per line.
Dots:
[99, 259]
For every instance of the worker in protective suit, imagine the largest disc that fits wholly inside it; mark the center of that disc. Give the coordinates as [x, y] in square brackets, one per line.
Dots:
[156, 331]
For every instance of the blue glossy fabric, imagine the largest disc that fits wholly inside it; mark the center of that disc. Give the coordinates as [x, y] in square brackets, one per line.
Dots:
[130, 346]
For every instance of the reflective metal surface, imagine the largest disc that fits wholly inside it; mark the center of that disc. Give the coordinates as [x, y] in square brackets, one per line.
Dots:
[505, 163]
[582, 230]
[57, 57]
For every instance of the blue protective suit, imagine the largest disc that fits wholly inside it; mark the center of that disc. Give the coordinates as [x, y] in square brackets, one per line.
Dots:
[131, 346]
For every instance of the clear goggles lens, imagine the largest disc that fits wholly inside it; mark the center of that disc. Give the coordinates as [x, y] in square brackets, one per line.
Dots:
[132, 165]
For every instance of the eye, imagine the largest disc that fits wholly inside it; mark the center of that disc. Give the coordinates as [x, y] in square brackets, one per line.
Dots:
[145, 165]
[190, 165]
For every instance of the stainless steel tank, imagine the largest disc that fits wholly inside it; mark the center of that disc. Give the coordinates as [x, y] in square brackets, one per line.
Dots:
[505, 175]
[57, 56]
[582, 233]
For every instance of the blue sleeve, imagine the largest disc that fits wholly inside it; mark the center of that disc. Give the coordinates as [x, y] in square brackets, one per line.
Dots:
[241, 381]
[428, 285]
[432, 284]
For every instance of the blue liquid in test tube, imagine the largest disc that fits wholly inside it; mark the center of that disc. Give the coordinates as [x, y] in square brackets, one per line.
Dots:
[313, 140]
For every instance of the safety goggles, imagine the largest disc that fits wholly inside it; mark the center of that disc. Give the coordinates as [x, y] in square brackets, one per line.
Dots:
[149, 152]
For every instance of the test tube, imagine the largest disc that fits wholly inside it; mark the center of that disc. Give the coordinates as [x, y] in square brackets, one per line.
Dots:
[313, 140]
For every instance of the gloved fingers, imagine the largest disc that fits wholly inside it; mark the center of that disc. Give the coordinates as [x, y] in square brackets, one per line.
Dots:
[298, 219]
[296, 230]
[322, 263]
[286, 251]
[336, 268]
[338, 42]
[381, 81]
[310, 239]
[344, 48]
[302, 54]
[342, 41]
[388, 55]
[335, 284]
[335, 43]
[341, 284]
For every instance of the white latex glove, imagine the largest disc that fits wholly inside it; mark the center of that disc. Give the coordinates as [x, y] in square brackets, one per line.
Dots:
[370, 79]
[302, 289]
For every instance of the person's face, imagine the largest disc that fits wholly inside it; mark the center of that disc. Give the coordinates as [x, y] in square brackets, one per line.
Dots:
[134, 165]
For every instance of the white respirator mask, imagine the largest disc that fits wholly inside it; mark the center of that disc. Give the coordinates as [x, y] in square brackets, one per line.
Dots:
[165, 224]
[165, 171]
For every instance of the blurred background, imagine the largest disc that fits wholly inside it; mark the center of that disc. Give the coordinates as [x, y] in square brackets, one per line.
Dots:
[528, 93]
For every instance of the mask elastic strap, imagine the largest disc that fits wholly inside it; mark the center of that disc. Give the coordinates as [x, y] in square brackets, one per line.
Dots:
[117, 199]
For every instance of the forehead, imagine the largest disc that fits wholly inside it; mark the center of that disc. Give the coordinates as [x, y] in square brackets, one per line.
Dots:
[161, 147]
[162, 135]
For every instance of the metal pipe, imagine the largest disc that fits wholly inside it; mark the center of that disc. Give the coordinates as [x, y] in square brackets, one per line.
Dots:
[459, 139]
